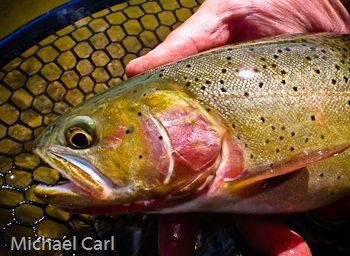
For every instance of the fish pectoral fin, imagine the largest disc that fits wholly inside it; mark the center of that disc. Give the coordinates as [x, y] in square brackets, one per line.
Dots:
[260, 173]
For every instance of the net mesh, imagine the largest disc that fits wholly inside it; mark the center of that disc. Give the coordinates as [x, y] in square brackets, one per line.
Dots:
[55, 74]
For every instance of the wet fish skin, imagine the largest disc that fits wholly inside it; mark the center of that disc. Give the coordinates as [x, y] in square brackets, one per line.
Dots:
[267, 122]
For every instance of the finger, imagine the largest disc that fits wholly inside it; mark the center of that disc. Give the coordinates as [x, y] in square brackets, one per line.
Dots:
[177, 234]
[209, 27]
[267, 235]
[339, 211]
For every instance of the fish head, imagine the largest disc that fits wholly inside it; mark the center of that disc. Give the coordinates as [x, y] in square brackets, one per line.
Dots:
[129, 150]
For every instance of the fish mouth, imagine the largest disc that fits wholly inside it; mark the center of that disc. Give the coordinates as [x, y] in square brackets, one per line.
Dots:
[86, 190]
[82, 177]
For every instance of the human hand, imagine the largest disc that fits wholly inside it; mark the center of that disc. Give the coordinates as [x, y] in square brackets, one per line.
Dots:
[217, 23]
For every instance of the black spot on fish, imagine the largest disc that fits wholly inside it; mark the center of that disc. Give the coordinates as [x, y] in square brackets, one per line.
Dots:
[221, 81]
[246, 94]
[139, 114]
[279, 51]
[188, 83]
[337, 66]
[223, 89]
[293, 134]
[188, 65]
[338, 178]
[207, 82]
[288, 49]
[263, 59]
[233, 126]
[160, 75]
[273, 128]
[306, 140]
[283, 72]
[334, 81]
[160, 137]
[264, 66]
[140, 156]
[332, 193]
[283, 128]
[223, 70]
[321, 175]
[208, 109]
[313, 118]
[275, 57]
[322, 136]
[261, 84]
[346, 79]
[145, 94]
[312, 49]
[256, 70]
[196, 79]
[267, 141]
[277, 150]
[251, 156]
[273, 65]
[283, 81]
[308, 58]
[262, 119]
[251, 49]
[203, 88]
[228, 58]
[295, 88]
[281, 137]
[291, 149]
[317, 71]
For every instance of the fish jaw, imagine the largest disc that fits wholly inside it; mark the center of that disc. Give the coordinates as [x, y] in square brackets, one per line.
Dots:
[84, 178]
[70, 197]
[76, 195]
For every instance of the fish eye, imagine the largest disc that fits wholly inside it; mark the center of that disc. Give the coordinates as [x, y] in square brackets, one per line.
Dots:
[79, 138]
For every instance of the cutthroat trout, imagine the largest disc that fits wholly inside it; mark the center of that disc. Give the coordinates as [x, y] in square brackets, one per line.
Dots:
[258, 127]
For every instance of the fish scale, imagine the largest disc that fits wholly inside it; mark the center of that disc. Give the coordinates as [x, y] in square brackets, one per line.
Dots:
[281, 98]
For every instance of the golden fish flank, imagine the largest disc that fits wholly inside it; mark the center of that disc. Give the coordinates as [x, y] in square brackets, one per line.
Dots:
[259, 127]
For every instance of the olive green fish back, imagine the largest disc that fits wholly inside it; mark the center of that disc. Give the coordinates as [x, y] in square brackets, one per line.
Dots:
[282, 98]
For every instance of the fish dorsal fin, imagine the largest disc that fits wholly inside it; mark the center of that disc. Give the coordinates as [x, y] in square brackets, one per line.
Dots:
[297, 162]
